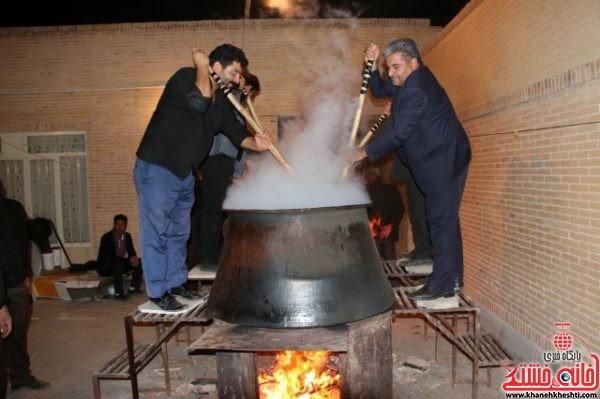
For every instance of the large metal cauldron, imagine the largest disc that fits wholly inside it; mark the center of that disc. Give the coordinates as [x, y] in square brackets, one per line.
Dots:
[299, 268]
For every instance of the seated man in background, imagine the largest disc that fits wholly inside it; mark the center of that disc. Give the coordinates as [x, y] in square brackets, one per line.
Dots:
[117, 256]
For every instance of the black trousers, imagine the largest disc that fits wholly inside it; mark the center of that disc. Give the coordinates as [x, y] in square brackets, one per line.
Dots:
[418, 221]
[217, 172]
[416, 207]
[117, 269]
[14, 357]
[443, 206]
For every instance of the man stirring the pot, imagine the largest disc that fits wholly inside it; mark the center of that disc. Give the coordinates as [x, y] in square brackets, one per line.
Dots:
[176, 141]
[429, 138]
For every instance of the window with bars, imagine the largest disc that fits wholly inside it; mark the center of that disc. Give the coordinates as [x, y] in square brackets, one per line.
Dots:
[47, 173]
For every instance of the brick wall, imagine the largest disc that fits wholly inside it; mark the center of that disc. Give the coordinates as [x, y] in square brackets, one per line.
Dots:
[524, 77]
[106, 80]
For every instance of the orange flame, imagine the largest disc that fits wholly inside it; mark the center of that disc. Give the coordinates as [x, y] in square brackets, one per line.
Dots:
[375, 225]
[300, 375]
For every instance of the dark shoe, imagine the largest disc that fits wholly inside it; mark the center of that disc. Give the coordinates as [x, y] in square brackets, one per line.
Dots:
[184, 293]
[121, 296]
[31, 383]
[137, 290]
[427, 293]
[167, 302]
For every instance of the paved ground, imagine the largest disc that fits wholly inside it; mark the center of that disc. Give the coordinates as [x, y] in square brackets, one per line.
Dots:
[69, 340]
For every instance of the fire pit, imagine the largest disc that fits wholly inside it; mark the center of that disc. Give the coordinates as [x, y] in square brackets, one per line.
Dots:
[364, 349]
[301, 280]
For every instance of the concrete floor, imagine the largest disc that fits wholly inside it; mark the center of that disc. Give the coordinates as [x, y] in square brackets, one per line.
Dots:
[69, 340]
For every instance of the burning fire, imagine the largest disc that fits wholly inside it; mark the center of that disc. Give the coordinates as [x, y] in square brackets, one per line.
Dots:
[300, 375]
[375, 226]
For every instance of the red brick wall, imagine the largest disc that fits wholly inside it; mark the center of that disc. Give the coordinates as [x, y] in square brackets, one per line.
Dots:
[524, 77]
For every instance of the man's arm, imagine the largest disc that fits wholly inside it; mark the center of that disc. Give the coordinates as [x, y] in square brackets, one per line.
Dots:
[106, 252]
[133, 258]
[407, 115]
[130, 249]
[259, 143]
[224, 120]
[199, 95]
[380, 88]
[202, 78]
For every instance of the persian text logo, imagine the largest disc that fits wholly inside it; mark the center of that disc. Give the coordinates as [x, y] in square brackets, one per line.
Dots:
[565, 369]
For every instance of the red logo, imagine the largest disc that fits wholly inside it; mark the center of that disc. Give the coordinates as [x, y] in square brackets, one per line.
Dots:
[566, 369]
[562, 340]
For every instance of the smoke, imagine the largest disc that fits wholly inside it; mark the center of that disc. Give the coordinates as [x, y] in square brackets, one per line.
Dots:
[316, 147]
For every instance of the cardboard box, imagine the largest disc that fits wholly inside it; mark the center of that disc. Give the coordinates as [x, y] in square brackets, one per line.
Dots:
[71, 287]
[82, 286]
[45, 286]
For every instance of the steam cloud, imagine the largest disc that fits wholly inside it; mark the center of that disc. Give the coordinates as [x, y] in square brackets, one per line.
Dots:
[317, 150]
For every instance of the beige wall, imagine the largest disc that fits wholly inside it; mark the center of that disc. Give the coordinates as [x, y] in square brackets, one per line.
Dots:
[524, 77]
[106, 80]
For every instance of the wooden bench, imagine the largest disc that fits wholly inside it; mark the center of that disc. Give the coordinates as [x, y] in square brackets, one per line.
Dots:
[132, 359]
[482, 349]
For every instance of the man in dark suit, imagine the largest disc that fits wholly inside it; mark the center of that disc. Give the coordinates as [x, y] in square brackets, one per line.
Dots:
[428, 136]
[16, 273]
[117, 256]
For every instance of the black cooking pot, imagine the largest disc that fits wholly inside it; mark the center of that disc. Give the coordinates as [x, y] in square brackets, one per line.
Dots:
[299, 268]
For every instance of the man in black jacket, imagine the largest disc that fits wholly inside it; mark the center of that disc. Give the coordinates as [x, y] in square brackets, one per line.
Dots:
[117, 256]
[5, 330]
[16, 269]
[177, 139]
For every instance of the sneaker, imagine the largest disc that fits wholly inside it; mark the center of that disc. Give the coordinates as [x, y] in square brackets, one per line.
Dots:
[418, 262]
[134, 289]
[184, 293]
[209, 267]
[31, 383]
[167, 302]
[404, 258]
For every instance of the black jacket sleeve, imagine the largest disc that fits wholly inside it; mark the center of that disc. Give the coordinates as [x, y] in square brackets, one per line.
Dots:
[106, 252]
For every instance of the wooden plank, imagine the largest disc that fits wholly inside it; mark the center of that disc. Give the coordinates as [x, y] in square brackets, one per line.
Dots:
[236, 375]
[504, 356]
[118, 366]
[368, 364]
[485, 350]
[107, 367]
[232, 337]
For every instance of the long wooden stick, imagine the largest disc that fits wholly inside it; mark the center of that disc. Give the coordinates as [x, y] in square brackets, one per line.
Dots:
[372, 130]
[274, 151]
[252, 111]
[361, 99]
